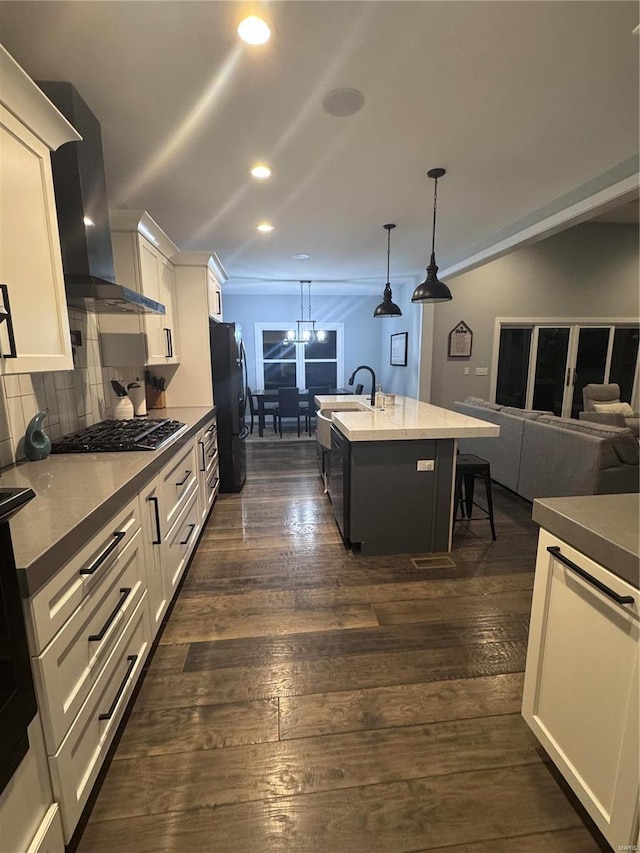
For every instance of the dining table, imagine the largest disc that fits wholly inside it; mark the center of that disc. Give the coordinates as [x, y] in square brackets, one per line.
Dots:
[271, 396]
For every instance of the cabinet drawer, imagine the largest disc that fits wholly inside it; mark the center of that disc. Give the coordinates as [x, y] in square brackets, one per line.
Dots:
[181, 541]
[48, 838]
[581, 690]
[50, 607]
[178, 479]
[212, 485]
[76, 764]
[68, 667]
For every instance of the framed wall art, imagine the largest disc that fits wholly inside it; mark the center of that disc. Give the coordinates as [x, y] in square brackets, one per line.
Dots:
[460, 341]
[399, 349]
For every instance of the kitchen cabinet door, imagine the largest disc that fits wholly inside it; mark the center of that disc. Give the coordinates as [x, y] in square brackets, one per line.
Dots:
[214, 296]
[36, 337]
[581, 683]
[168, 299]
[157, 588]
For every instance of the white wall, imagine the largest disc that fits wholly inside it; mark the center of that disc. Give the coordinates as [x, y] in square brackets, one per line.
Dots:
[587, 271]
[362, 337]
[395, 379]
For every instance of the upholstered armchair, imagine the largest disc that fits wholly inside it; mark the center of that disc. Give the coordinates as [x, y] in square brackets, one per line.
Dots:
[602, 404]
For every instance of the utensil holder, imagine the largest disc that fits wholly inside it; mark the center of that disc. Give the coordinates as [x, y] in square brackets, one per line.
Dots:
[156, 399]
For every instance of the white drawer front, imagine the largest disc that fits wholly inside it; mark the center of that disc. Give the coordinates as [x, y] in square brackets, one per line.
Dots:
[212, 485]
[178, 478]
[48, 838]
[181, 542]
[50, 607]
[68, 667]
[76, 764]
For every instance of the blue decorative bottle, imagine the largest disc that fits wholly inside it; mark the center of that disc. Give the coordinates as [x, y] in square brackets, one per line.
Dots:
[37, 445]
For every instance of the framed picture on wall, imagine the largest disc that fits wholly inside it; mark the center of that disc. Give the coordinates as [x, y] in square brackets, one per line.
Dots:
[399, 349]
[460, 341]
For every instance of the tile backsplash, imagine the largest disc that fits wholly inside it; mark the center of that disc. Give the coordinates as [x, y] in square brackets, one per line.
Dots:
[72, 398]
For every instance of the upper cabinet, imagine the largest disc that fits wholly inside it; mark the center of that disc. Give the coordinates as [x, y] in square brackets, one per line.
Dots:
[214, 289]
[141, 252]
[34, 325]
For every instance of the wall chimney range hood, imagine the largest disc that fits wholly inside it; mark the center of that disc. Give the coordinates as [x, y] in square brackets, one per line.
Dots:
[83, 215]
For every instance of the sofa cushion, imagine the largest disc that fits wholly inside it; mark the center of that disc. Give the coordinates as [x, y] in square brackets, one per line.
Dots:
[485, 404]
[621, 439]
[528, 414]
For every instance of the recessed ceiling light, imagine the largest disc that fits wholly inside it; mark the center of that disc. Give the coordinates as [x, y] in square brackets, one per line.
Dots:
[265, 227]
[261, 171]
[254, 30]
[300, 256]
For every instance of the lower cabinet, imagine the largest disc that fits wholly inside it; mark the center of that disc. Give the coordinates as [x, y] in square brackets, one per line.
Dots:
[91, 626]
[581, 686]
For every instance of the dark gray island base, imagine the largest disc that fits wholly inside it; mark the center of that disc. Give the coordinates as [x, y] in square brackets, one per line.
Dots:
[382, 503]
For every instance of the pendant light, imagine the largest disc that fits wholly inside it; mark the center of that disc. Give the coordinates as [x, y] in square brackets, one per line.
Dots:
[432, 289]
[306, 329]
[387, 308]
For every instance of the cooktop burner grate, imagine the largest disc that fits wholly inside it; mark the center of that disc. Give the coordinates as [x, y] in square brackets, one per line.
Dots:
[109, 436]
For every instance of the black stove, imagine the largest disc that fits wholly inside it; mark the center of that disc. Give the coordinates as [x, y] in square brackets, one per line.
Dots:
[109, 436]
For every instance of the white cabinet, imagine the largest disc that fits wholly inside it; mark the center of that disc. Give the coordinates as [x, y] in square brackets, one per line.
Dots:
[214, 296]
[581, 683]
[35, 336]
[198, 277]
[157, 587]
[140, 259]
[208, 470]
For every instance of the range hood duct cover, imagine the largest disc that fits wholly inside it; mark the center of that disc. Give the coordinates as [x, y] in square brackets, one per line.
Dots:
[81, 197]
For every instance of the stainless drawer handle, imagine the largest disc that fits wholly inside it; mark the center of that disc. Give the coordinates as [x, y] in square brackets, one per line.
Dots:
[214, 485]
[210, 430]
[192, 527]
[187, 474]
[213, 453]
[117, 538]
[132, 662]
[124, 594]
[554, 550]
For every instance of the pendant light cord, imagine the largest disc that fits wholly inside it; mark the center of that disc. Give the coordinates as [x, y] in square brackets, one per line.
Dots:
[433, 233]
[388, 252]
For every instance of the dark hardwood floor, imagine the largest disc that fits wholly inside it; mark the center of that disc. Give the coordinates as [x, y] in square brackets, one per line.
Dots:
[303, 698]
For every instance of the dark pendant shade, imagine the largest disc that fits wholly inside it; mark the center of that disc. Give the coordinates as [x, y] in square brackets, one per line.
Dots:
[387, 308]
[432, 289]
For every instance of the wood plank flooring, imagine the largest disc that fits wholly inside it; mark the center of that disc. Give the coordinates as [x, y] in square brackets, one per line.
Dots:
[304, 698]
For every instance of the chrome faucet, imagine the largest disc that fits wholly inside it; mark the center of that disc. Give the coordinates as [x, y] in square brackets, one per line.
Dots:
[373, 380]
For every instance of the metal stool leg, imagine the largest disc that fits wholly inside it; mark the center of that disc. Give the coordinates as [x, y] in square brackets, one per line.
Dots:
[487, 485]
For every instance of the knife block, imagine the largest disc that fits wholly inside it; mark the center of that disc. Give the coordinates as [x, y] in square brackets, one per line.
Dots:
[155, 399]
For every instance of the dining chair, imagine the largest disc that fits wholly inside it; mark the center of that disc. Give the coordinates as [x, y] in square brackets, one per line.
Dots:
[289, 406]
[253, 411]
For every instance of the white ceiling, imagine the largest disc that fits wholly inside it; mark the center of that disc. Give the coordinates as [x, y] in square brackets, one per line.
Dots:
[522, 103]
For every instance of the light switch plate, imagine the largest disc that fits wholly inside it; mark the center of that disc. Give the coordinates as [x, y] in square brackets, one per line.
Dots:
[482, 371]
[425, 465]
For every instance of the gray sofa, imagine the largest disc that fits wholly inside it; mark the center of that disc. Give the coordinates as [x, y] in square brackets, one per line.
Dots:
[540, 455]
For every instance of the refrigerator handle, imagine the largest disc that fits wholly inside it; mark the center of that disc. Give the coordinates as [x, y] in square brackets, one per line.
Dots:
[243, 359]
[244, 433]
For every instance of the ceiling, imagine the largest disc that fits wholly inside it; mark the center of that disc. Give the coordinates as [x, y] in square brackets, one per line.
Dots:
[523, 103]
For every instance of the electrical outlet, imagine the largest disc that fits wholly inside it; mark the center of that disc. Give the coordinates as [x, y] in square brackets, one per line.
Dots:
[482, 371]
[425, 465]
[466, 371]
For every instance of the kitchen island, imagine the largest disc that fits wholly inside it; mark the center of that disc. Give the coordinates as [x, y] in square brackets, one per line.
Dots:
[391, 472]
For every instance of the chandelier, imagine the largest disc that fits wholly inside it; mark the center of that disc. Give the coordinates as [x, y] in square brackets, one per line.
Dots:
[306, 332]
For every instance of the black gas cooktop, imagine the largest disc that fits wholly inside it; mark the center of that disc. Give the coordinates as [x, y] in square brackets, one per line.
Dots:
[109, 436]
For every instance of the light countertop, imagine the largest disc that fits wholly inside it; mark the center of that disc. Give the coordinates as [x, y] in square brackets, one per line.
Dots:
[603, 527]
[77, 493]
[406, 421]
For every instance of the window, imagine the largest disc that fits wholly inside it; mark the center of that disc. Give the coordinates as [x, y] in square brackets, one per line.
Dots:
[282, 363]
[542, 364]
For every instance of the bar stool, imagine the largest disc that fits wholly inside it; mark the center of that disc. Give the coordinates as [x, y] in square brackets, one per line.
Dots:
[467, 466]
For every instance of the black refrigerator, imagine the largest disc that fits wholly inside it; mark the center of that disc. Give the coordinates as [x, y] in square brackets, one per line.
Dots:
[229, 369]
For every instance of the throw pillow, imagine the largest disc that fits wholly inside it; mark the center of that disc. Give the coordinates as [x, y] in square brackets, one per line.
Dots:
[615, 408]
